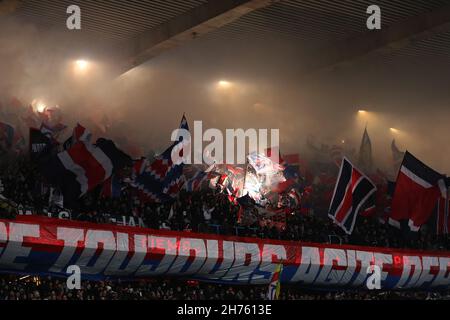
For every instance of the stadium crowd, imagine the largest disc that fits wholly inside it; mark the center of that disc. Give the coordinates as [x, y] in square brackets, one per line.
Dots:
[205, 211]
[46, 288]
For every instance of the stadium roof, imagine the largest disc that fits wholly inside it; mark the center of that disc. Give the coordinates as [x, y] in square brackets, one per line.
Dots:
[332, 32]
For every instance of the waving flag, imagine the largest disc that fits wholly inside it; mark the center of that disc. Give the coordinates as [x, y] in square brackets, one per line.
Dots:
[80, 133]
[275, 284]
[417, 189]
[40, 144]
[162, 180]
[263, 164]
[84, 166]
[365, 152]
[354, 194]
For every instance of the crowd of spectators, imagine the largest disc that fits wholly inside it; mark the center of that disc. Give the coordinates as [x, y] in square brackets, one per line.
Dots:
[46, 288]
[205, 211]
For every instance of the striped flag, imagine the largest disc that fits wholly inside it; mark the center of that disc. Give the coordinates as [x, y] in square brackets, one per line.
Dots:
[273, 291]
[417, 189]
[84, 166]
[80, 133]
[161, 180]
[354, 194]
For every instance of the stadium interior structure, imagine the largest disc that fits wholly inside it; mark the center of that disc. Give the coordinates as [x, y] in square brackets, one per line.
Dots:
[138, 227]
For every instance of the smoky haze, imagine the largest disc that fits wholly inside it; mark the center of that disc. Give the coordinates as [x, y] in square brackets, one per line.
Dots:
[265, 89]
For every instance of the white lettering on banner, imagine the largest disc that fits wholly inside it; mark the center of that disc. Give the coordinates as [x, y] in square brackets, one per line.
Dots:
[160, 246]
[407, 280]
[220, 254]
[123, 250]
[270, 253]
[71, 237]
[3, 236]
[14, 248]
[382, 259]
[212, 256]
[246, 260]
[428, 263]
[365, 258]
[309, 265]
[443, 277]
[91, 244]
[329, 275]
[189, 248]
[124, 253]
[351, 268]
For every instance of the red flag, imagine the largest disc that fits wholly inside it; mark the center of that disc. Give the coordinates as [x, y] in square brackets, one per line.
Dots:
[417, 189]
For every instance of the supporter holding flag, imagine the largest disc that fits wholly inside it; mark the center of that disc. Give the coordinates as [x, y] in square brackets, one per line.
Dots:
[354, 194]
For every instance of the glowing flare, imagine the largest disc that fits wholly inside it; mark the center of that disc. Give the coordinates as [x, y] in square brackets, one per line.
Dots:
[40, 107]
[81, 64]
[224, 84]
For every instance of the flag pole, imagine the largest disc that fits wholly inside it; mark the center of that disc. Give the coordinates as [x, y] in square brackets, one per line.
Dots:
[245, 175]
[447, 205]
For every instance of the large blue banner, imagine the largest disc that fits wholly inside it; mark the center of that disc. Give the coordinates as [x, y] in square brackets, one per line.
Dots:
[46, 246]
